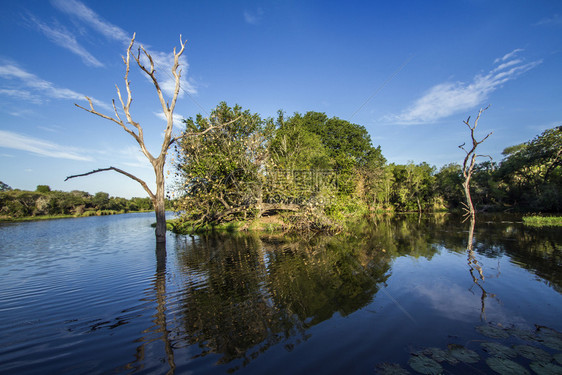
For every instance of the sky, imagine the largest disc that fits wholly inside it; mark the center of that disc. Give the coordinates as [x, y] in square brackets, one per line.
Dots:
[410, 72]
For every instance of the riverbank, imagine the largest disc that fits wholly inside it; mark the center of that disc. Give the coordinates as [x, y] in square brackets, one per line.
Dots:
[278, 223]
[7, 219]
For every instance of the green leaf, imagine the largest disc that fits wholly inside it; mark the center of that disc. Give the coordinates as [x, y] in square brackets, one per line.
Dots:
[505, 366]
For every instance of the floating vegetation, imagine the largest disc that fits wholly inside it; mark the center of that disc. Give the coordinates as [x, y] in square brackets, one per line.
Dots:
[391, 369]
[532, 353]
[425, 365]
[523, 334]
[441, 355]
[506, 366]
[550, 337]
[544, 368]
[493, 331]
[463, 354]
[498, 350]
[502, 358]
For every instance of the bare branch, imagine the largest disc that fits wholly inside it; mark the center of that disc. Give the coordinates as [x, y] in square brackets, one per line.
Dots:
[118, 122]
[175, 139]
[143, 184]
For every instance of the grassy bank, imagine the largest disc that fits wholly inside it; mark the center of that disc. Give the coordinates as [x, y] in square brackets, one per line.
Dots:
[270, 224]
[542, 221]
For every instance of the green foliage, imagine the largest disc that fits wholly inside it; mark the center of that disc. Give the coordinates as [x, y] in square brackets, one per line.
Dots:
[320, 171]
[256, 166]
[43, 189]
[542, 221]
[4, 187]
[529, 177]
[22, 204]
[413, 187]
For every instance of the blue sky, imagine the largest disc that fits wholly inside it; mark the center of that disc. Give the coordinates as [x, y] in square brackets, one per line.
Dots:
[409, 71]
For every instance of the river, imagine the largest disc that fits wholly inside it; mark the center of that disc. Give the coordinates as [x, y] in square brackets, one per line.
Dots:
[95, 295]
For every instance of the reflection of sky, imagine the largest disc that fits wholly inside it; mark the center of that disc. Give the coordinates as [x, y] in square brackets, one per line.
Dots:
[443, 289]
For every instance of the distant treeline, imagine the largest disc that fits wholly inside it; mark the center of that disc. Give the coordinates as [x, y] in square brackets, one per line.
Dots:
[16, 203]
[321, 170]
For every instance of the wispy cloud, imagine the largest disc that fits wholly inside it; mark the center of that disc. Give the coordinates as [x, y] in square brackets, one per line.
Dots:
[40, 88]
[449, 98]
[65, 39]
[253, 18]
[163, 60]
[178, 119]
[553, 20]
[88, 16]
[133, 157]
[21, 94]
[40, 147]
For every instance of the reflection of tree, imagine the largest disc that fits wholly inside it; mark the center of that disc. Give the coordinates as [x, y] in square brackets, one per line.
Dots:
[474, 265]
[243, 294]
[160, 321]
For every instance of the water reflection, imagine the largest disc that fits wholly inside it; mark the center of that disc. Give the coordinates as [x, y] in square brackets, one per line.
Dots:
[475, 266]
[160, 328]
[243, 294]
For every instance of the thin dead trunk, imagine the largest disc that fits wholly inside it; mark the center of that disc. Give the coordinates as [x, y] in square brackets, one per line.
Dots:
[469, 162]
[136, 131]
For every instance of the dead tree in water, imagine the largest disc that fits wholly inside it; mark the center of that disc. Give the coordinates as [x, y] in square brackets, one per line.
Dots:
[469, 161]
[135, 130]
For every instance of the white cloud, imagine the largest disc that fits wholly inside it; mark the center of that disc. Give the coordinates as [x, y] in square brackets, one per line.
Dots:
[448, 98]
[253, 18]
[554, 20]
[508, 56]
[39, 87]
[163, 64]
[178, 119]
[163, 60]
[21, 94]
[40, 147]
[62, 37]
[85, 14]
[133, 157]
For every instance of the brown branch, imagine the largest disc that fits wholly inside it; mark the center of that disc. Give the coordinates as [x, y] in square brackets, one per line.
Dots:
[204, 131]
[143, 184]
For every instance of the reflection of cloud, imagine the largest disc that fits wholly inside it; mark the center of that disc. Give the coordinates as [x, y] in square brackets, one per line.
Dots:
[451, 300]
[448, 98]
[65, 39]
[40, 147]
[38, 87]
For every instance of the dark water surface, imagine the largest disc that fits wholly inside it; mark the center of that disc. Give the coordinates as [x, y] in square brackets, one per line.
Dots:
[95, 295]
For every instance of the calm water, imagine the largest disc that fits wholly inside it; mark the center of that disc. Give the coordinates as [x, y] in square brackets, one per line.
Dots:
[95, 295]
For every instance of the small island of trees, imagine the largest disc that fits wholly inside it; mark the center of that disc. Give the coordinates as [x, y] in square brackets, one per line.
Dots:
[316, 172]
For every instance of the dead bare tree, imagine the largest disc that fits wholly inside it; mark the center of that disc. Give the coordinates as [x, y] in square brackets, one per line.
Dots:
[469, 162]
[136, 131]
